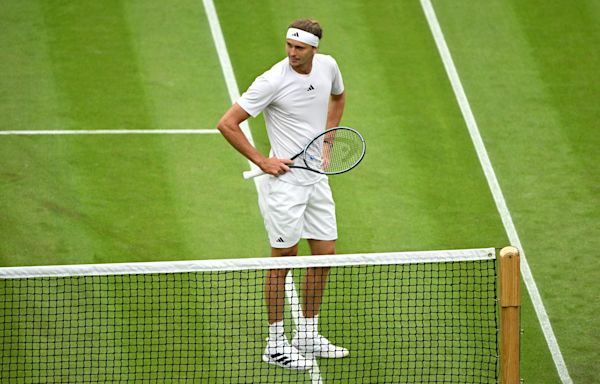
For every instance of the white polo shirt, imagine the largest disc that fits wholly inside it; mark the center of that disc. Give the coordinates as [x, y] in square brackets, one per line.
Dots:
[295, 108]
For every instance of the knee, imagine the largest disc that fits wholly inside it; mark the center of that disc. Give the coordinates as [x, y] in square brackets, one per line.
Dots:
[283, 252]
[322, 247]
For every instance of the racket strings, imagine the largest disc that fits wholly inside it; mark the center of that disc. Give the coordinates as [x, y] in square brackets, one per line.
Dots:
[342, 149]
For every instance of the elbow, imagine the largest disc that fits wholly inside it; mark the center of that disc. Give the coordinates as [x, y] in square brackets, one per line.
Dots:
[223, 125]
[230, 122]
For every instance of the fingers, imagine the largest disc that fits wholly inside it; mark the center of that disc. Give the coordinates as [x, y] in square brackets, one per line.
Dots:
[275, 166]
[283, 168]
[285, 165]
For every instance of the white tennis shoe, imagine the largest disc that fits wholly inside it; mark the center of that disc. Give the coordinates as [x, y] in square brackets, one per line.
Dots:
[279, 352]
[318, 346]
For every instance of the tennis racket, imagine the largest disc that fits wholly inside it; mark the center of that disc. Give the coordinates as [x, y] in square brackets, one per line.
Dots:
[333, 151]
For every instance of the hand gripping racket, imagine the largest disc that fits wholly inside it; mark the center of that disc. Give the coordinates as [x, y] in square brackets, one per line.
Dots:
[333, 151]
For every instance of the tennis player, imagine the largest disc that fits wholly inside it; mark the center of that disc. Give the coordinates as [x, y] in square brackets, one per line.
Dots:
[300, 96]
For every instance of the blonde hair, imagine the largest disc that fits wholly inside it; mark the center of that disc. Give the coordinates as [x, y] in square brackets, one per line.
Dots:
[308, 25]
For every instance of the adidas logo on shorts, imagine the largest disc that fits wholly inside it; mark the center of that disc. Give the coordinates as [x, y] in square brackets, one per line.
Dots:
[280, 240]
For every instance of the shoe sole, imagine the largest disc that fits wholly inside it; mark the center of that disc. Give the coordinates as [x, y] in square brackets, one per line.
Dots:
[267, 360]
[322, 356]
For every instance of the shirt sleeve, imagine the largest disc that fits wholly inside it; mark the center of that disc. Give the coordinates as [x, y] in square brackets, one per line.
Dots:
[257, 97]
[337, 85]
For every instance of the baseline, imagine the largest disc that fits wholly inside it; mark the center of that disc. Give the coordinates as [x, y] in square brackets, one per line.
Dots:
[64, 132]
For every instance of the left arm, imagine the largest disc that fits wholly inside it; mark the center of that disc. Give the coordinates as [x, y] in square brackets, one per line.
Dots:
[334, 116]
[335, 109]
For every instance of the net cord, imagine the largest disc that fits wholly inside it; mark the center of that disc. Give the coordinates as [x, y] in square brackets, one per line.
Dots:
[249, 263]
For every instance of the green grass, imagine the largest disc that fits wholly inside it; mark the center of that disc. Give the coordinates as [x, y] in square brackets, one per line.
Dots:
[123, 198]
[529, 69]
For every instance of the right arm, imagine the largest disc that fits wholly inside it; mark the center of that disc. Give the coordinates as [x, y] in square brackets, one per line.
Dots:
[229, 126]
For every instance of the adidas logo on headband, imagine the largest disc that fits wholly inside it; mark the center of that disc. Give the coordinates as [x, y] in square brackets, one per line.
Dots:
[303, 37]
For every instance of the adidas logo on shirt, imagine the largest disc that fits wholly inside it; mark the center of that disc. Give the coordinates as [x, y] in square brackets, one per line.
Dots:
[310, 88]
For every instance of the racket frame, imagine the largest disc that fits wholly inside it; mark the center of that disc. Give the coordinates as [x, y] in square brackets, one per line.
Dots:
[258, 172]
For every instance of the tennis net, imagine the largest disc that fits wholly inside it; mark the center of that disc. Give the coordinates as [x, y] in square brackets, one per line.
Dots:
[410, 317]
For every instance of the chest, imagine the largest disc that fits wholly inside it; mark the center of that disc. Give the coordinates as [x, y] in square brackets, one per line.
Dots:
[302, 92]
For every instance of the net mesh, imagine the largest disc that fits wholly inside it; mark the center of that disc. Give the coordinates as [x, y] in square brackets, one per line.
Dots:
[402, 323]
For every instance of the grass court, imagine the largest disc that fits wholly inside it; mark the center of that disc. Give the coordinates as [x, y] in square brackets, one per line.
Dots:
[529, 70]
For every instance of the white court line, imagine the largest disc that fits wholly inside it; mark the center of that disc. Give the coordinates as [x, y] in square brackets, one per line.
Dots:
[61, 132]
[484, 159]
[227, 68]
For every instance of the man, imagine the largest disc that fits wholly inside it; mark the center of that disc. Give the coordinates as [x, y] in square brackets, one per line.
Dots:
[300, 96]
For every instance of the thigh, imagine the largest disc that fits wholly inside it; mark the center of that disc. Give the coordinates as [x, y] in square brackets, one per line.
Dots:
[283, 209]
[319, 216]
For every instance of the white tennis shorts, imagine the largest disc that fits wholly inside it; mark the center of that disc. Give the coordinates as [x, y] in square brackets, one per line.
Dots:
[293, 212]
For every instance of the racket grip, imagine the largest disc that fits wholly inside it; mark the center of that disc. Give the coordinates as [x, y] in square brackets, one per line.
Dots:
[252, 174]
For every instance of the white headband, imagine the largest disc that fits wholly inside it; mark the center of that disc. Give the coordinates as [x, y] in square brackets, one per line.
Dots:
[302, 36]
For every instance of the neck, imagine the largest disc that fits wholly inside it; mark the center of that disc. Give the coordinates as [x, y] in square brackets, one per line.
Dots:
[304, 69]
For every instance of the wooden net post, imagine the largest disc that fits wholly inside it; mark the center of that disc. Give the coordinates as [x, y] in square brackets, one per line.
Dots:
[510, 304]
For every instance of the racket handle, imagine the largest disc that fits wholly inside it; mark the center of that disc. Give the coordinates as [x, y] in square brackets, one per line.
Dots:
[252, 174]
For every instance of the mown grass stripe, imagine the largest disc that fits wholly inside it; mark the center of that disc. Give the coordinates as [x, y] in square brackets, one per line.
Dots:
[494, 185]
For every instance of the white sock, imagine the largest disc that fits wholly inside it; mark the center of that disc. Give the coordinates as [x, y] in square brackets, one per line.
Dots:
[308, 325]
[276, 330]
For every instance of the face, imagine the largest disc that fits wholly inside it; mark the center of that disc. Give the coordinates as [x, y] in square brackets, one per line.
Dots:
[300, 55]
